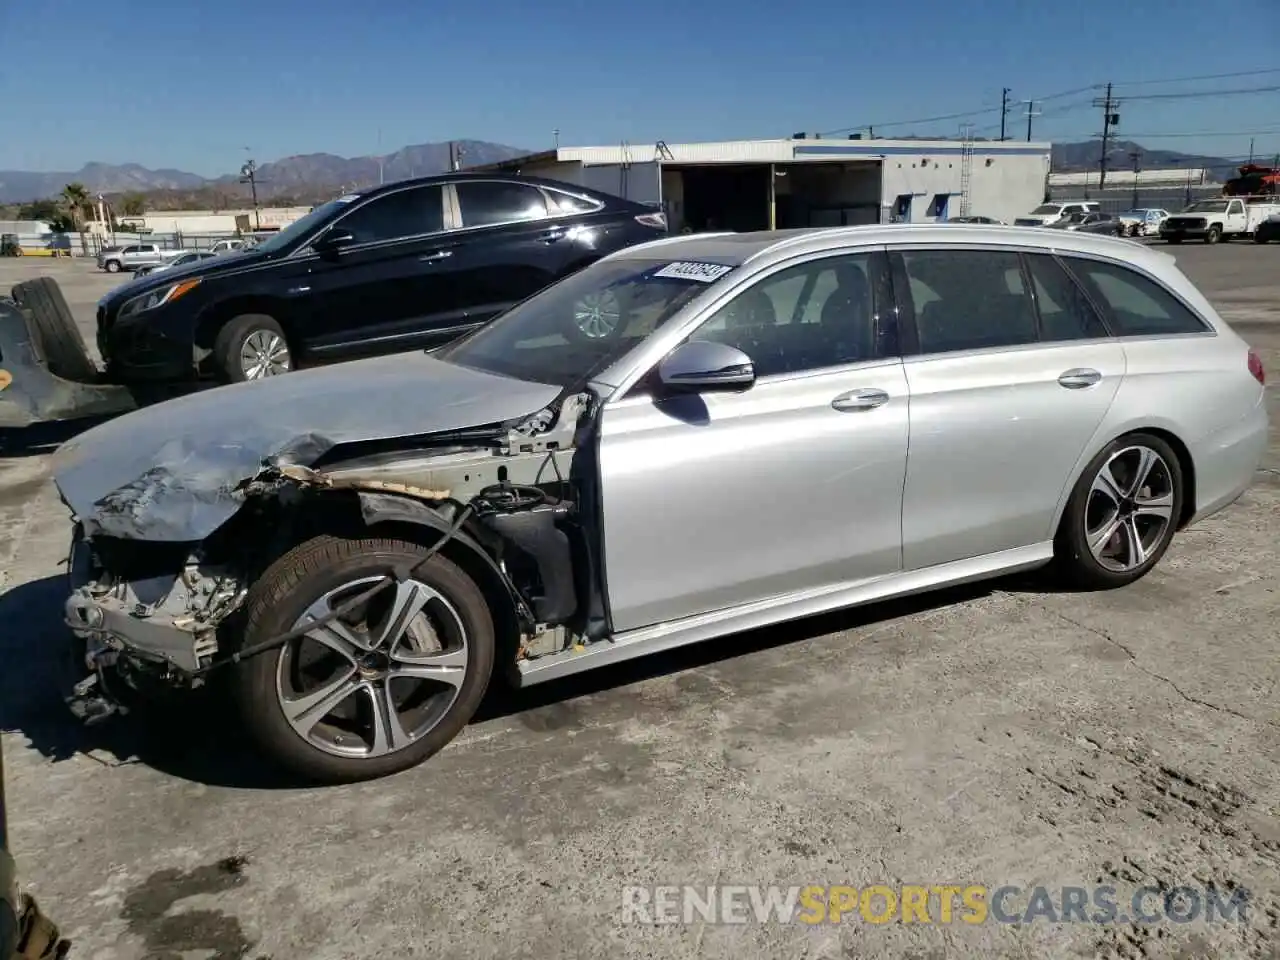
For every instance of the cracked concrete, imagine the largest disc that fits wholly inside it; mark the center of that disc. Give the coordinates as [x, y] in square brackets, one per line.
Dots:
[997, 735]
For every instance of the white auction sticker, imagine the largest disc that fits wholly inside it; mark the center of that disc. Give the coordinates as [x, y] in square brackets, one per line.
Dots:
[689, 270]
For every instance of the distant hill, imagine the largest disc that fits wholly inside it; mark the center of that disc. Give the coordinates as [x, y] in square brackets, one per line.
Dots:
[295, 176]
[1083, 156]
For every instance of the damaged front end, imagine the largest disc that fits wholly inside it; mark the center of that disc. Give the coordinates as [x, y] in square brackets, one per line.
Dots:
[509, 503]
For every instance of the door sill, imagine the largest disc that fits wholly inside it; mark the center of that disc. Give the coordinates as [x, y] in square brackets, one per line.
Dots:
[763, 613]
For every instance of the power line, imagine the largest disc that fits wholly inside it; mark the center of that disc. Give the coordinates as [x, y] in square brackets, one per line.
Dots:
[1206, 76]
[1197, 94]
[960, 116]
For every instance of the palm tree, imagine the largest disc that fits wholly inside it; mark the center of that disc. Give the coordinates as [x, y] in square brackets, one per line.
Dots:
[73, 200]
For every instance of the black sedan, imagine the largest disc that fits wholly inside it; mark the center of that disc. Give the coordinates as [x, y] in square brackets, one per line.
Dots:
[406, 265]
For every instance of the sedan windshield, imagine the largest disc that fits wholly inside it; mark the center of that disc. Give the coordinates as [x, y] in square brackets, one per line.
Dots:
[301, 226]
[578, 327]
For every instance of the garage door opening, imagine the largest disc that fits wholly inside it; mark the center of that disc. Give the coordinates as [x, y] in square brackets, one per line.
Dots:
[720, 197]
[827, 194]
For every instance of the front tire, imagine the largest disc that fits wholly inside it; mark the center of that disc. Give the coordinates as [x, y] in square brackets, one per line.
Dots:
[377, 691]
[1122, 514]
[251, 347]
[113, 266]
[1214, 234]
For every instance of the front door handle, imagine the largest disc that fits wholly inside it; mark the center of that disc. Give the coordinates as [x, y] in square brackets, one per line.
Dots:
[437, 255]
[867, 398]
[1078, 378]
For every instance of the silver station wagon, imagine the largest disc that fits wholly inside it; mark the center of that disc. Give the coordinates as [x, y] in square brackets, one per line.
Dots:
[689, 438]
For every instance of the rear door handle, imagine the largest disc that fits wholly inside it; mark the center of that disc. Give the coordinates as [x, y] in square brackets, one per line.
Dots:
[867, 398]
[551, 236]
[1078, 378]
[437, 255]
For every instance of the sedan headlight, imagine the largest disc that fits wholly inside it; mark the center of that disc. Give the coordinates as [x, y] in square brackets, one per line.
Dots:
[158, 297]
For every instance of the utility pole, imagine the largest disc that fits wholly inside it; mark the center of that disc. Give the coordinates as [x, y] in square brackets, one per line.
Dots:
[249, 175]
[1251, 150]
[1109, 119]
[1031, 112]
[1135, 155]
[555, 138]
[1004, 110]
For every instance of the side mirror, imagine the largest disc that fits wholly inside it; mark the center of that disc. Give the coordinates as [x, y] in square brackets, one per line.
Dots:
[703, 366]
[333, 241]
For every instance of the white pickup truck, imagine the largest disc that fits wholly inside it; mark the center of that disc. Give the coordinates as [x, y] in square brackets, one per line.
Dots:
[1221, 218]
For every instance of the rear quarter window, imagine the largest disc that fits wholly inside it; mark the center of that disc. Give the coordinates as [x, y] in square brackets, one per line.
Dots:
[1135, 306]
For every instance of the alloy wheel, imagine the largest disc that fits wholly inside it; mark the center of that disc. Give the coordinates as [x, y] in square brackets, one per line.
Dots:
[264, 353]
[1130, 508]
[378, 679]
[597, 314]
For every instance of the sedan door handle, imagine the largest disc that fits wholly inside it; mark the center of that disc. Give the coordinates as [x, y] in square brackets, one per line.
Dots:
[866, 399]
[1079, 378]
[551, 236]
[437, 255]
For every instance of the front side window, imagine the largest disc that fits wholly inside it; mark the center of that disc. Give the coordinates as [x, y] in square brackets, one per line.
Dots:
[486, 202]
[1135, 306]
[396, 216]
[968, 299]
[823, 313]
[1065, 312]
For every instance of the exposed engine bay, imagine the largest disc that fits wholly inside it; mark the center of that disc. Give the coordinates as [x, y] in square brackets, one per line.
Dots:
[514, 504]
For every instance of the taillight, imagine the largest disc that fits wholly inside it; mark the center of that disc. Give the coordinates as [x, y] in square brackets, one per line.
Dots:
[656, 220]
[1255, 368]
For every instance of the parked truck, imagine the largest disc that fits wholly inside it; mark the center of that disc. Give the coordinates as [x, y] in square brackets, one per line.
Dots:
[1219, 218]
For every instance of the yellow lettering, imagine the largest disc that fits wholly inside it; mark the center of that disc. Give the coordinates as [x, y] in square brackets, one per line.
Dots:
[842, 900]
[946, 900]
[975, 900]
[915, 904]
[815, 907]
[890, 904]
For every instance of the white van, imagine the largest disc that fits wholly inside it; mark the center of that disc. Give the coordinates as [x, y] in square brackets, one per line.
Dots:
[1048, 213]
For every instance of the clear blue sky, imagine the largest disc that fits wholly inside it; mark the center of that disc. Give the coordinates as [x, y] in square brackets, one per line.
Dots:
[175, 83]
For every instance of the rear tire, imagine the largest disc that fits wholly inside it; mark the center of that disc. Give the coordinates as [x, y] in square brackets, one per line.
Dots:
[55, 326]
[1122, 514]
[343, 745]
[251, 346]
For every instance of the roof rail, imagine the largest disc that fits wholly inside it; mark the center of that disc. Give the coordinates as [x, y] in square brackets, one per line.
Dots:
[626, 252]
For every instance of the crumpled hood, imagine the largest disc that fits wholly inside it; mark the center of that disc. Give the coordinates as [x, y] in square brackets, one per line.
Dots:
[169, 472]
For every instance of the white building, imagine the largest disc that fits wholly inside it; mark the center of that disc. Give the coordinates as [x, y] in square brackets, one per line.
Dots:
[199, 222]
[771, 184]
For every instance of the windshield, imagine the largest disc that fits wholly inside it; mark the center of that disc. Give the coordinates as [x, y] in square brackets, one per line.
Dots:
[1047, 208]
[1208, 206]
[579, 326]
[301, 226]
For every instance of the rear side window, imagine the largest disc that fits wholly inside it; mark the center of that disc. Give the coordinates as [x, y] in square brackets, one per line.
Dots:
[968, 300]
[1065, 313]
[568, 203]
[486, 202]
[1135, 306]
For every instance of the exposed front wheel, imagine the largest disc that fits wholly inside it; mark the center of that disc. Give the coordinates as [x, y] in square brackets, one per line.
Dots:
[251, 347]
[1122, 513]
[113, 266]
[382, 688]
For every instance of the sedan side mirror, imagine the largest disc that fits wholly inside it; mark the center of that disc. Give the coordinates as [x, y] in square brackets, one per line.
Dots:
[702, 366]
[333, 241]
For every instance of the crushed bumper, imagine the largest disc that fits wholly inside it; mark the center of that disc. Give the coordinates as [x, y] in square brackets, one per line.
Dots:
[30, 393]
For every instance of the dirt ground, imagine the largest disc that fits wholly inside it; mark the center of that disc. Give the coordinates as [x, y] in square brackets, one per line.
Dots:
[999, 735]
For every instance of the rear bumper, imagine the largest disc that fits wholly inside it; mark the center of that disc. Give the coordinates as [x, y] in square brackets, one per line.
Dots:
[1227, 462]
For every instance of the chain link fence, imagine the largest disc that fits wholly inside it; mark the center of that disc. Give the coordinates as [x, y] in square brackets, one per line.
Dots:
[1120, 199]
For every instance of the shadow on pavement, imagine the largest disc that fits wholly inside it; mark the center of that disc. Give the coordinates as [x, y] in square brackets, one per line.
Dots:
[196, 739]
[43, 438]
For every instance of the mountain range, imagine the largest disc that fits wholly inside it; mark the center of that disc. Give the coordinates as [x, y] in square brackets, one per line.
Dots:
[300, 175]
[289, 175]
